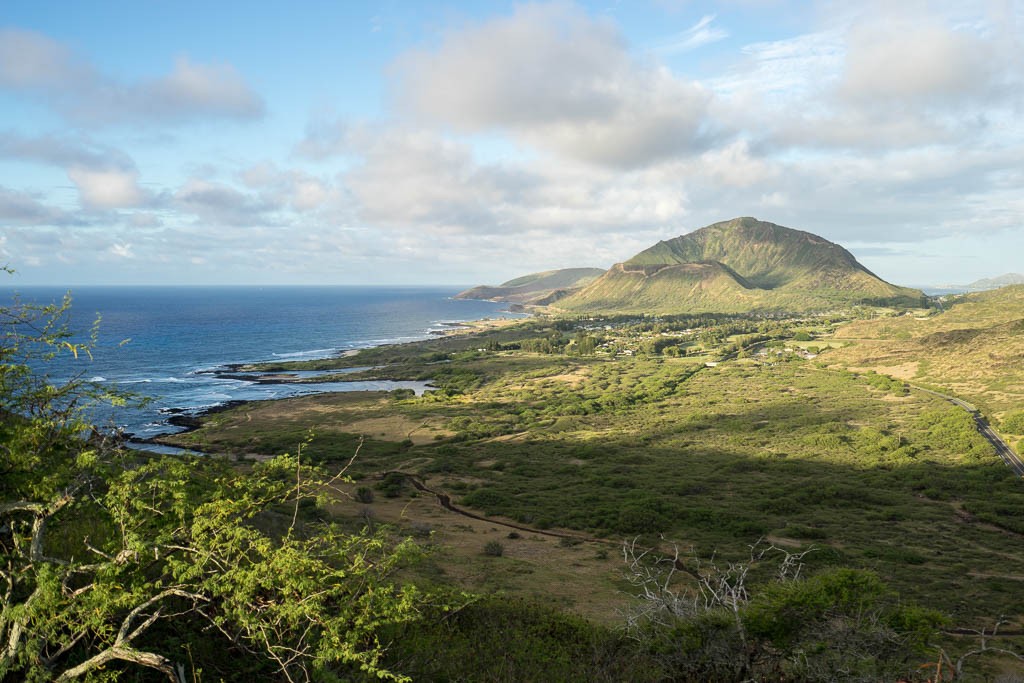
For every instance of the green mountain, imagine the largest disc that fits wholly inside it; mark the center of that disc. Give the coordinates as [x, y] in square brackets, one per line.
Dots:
[537, 288]
[737, 266]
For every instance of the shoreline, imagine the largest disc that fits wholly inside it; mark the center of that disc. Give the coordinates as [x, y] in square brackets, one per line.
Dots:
[190, 418]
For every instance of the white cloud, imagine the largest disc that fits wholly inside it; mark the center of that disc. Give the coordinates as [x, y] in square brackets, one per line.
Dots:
[559, 81]
[308, 194]
[296, 188]
[36, 65]
[416, 178]
[121, 250]
[140, 219]
[780, 71]
[416, 183]
[198, 90]
[108, 188]
[914, 60]
[879, 77]
[30, 60]
[734, 166]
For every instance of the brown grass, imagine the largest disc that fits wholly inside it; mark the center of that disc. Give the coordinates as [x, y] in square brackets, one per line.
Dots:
[533, 565]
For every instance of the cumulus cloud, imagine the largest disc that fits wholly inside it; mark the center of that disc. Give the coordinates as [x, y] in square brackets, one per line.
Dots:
[195, 90]
[801, 148]
[301, 191]
[108, 188]
[734, 166]
[417, 178]
[36, 65]
[559, 81]
[105, 178]
[915, 60]
[417, 182]
[31, 61]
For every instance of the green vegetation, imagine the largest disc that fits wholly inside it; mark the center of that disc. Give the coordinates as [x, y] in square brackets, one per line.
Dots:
[738, 266]
[610, 445]
[494, 549]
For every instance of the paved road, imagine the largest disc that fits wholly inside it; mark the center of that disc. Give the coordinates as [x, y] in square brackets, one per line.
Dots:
[1011, 459]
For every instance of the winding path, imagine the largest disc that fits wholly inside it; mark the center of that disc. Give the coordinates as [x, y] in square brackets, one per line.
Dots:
[446, 502]
[1011, 459]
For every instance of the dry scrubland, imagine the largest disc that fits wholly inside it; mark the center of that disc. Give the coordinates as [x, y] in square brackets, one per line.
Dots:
[975, 349]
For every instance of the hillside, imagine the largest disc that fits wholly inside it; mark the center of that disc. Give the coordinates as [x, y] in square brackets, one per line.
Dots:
[996, 282]
[974, 349]
[540, 288]
[737, 266]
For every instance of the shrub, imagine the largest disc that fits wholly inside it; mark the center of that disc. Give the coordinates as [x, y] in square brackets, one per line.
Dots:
[364, 495]
[1013, 422]
[392, 485]
[494, 549]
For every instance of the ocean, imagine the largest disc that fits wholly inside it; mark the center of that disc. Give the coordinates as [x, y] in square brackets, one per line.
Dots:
[161, 343]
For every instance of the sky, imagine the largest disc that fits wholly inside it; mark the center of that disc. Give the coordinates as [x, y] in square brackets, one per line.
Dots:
[404, 142]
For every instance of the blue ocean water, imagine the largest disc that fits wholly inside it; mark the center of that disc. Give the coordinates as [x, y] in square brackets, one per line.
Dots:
[162, 342]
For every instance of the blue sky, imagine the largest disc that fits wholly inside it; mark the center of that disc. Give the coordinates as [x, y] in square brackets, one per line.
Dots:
[459, 143]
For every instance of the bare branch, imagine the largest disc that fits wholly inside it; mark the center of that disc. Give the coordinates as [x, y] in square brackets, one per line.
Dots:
[123, 635]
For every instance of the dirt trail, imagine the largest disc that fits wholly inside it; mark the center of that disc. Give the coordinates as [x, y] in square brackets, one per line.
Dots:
[446, 502]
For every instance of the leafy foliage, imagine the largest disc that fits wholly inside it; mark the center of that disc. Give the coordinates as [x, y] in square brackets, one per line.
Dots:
[102, 548]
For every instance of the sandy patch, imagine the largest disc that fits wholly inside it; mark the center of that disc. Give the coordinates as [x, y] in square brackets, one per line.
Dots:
[905, 371]
[574, 378]
[504, 438]
[784, 541]
[397, 428]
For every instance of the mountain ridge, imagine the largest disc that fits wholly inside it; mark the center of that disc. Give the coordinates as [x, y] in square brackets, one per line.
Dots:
[539, 289]
[1005, 280]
